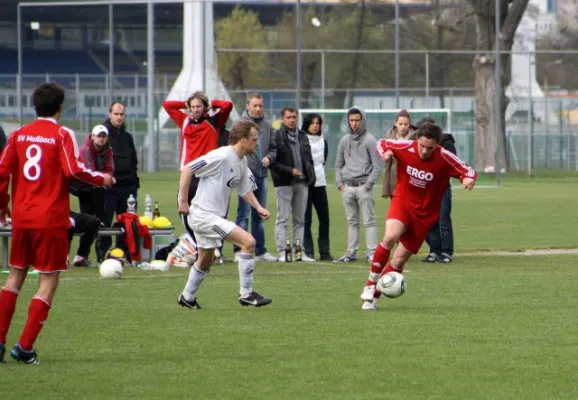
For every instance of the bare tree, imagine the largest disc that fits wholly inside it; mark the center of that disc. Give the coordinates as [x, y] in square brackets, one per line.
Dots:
[485, 81]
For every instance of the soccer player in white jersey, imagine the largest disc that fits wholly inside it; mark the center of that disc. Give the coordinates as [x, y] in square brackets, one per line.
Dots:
[220, 171]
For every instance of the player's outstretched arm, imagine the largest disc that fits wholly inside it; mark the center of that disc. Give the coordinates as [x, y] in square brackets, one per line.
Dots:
[252, 200]
[460, 169]
[184, 183]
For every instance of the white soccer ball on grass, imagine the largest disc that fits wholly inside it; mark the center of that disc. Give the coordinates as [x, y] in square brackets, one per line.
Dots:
[391, 284]
[111, 269]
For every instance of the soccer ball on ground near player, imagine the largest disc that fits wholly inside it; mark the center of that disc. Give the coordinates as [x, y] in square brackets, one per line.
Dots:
[391, 284]
[110, 269]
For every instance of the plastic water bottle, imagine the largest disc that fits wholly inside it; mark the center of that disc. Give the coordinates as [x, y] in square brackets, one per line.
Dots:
[131, 204]
[148, 206]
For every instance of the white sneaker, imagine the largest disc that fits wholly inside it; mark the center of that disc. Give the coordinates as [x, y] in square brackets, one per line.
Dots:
[305, 258]
[266, 257]
[367, 294]
[237, 258]
[282, 258]
[369, 305]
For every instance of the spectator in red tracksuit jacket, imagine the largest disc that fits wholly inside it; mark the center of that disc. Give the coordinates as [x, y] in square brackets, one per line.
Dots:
[200, 129]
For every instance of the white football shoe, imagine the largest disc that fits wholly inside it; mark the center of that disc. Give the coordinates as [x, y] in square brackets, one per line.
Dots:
[369, 305]
[368, 292]
[305, 258]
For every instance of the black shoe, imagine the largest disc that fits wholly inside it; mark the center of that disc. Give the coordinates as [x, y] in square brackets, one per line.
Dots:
[431, 258]
[348, 258]
[193, 305]
[20, 355]
[445, 258]
[327, 257]
[2, 352]
[254, 299]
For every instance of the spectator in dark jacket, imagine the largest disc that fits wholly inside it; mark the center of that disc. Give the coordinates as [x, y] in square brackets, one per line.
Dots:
[125, 171]
[293, 172]
[97, 156]
[441, 235]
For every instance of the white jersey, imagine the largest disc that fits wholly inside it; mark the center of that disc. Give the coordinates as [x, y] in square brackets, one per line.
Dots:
[220, 171]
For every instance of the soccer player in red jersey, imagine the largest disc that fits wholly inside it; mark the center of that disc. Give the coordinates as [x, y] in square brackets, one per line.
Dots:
[42, 158]
[423, 171]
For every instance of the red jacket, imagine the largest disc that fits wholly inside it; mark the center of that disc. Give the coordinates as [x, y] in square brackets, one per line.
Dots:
[95, 160]
[198, 137]
[134, 230]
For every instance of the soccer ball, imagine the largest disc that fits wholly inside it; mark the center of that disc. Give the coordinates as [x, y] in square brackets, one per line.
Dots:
[111, 269]
[391, 284]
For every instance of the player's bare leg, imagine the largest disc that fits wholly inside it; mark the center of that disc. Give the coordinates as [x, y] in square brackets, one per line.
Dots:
[246, 241]
[393, 230]
[38, 311]
[8, 297]
[197, 275]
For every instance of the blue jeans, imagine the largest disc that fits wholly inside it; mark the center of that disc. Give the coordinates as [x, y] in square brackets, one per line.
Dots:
[257, 226]
[441, 235]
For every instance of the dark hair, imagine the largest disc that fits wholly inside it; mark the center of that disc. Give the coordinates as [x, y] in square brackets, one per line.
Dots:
[354, 111]
[430, 131]
[308, 120]
[403, 113]
[241, 129]
[423, 121]
[47, 99]
[288, 109]
[199, 96]
[114, 103]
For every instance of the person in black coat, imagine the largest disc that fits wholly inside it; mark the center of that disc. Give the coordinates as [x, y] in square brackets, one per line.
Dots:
[441, 235]
[125, 171]
[292, 172]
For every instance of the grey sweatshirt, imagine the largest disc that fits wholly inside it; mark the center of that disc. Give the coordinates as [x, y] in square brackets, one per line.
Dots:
[265, 148]
[357, 159]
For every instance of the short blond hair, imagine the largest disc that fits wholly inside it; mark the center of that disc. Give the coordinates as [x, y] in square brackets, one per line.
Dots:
[252, 96]
[241, 129]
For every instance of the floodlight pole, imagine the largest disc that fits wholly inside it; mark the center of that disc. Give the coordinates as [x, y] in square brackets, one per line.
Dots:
[110, 52]
[151, 117]
[299, 45]
[20, 66]
[397, 53]
[498, 103]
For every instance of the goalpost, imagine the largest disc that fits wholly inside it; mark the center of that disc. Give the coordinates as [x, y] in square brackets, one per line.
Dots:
[378, 122]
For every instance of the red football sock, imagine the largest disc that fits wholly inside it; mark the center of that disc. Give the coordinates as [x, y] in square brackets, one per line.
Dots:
[37, 314]
[8, 299]
[391, 268]
[380, 258]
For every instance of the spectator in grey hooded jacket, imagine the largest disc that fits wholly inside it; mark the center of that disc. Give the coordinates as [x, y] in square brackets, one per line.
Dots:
[357, 169]
[259, 163]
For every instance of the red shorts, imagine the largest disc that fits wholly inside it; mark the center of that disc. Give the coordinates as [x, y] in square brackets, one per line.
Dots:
[416, 231]
[44, 249]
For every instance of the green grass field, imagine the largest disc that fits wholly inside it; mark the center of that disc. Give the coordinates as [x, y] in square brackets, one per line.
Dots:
[484, 327]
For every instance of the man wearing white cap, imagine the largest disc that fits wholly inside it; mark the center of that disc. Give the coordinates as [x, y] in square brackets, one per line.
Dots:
[96, 154]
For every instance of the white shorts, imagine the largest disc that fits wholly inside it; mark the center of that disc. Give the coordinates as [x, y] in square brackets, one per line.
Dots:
[209, 229]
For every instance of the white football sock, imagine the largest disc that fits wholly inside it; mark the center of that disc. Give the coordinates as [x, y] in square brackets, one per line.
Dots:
[196, 277]
[246, 268]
